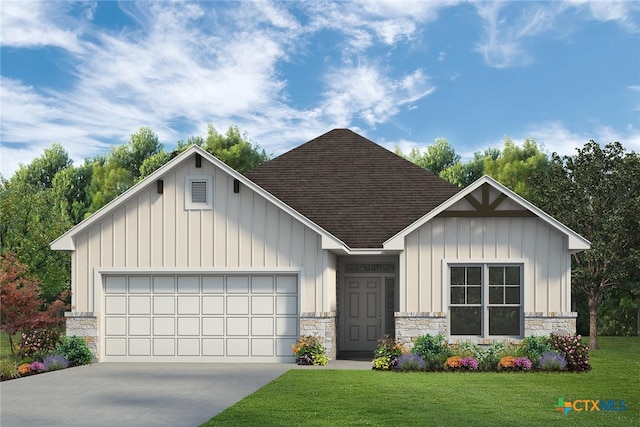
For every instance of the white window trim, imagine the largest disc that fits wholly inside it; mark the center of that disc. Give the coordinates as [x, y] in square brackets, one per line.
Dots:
[188, 203]
[484, 263]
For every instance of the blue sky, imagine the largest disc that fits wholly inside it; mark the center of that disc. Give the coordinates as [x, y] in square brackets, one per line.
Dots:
[88, 74]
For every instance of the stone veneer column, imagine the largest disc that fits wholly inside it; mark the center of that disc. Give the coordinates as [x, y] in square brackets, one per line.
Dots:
[538, 324]
[410, 326]
[84, 325]
[322, 325]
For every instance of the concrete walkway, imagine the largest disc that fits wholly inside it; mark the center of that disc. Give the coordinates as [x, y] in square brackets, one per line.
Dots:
[137, 394]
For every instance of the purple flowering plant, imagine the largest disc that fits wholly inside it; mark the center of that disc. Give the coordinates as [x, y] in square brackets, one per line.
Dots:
[410, 362]
[37, 367]
[469, 363]
[552, 361]
[54, 362]
[522, 363]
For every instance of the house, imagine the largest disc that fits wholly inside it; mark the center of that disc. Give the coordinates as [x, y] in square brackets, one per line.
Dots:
[338, 238]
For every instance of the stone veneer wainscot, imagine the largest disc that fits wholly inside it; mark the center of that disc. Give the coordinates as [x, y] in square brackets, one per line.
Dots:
[322, 325]
[84, 325]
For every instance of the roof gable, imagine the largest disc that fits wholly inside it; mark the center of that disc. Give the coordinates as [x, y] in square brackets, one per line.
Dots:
[489, 205]
[66, 241]
[357, 190]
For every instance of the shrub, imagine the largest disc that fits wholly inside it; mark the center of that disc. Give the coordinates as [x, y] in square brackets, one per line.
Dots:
[453, 362]
[385, 357]
[8, 368]
[38, 343]
[54, 362]
[410, 362]
[309, 351]
[534, 347]
[37, 367]
[75, 350]
[435, 362]
[466, 349]
[24, 369]
[457, 363]
[574, 352]
[430, 345]
[506, 362]
[490, 356]
[552, 361]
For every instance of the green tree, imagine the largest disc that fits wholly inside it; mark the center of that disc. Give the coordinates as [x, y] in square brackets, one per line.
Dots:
[463, 174]
[435, 158]
[597, 194]
[515, 165]
[72, 186]
[234, 149]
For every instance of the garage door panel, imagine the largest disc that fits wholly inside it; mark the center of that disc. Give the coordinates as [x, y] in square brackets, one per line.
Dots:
[215, 317]
[237, 326]
[237, 347]
[287, 326]
[115, 285]
[213, 285]
[188, 285]
[140, 326]
[237, 305]
[164, 285]
[164, 305]
[140, 346]
[262, 284]
[213, 347]
[139, 284]
[262, 347]
[237, 284]
[164, 347]
[115, 326]
[261, 305]
[188, 326]
[213, 305]
[286, 304]
[115, 347]
[139, 305]
[262, 326]
[164, 326]
[212, 326]
[283, 346]
[115, 305]
[188, 305]
[188, 347]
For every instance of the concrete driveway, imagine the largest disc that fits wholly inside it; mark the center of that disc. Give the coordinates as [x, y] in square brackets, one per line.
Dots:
[127, 394]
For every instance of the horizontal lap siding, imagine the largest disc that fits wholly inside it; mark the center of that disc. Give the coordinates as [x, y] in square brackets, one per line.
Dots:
[546, 275]
[243, 230]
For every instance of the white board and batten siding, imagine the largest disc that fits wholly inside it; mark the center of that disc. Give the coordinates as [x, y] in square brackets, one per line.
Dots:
[153, 235]
[529, 241]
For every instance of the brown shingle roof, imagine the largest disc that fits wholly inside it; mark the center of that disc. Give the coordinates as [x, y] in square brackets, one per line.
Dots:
[355, 189]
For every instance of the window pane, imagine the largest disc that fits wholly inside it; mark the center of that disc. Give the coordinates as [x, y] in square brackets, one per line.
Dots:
[474, 276]
[466, 321]
[504, 321]
[495, 295]
[512, 276]
[474, 295]
[496, 276]
[457, 276]
[457, 295]
[512, 295]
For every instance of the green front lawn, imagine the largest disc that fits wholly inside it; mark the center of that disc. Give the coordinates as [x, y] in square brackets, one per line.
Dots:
[313, 397]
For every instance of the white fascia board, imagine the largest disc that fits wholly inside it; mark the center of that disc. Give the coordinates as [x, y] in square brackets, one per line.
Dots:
[576, 242]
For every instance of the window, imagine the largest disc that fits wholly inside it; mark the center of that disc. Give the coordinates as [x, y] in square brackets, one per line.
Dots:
[198, 192]
[485, 300]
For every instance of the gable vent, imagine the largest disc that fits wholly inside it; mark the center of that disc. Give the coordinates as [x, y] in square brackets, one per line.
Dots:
[199, 192]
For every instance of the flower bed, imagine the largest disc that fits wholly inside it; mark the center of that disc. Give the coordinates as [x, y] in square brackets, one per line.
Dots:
[432, 353]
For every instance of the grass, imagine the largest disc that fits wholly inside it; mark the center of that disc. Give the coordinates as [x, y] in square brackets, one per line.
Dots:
[371, 398]
[5, 347]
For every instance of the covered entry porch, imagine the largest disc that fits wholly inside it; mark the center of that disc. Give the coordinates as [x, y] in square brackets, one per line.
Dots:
[367, 297]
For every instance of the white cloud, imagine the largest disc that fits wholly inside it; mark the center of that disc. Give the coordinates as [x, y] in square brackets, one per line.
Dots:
[556, 137]
[625, 13]
[33, 24]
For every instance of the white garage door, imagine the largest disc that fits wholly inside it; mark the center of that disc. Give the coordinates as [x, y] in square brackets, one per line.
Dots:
[226, 318]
